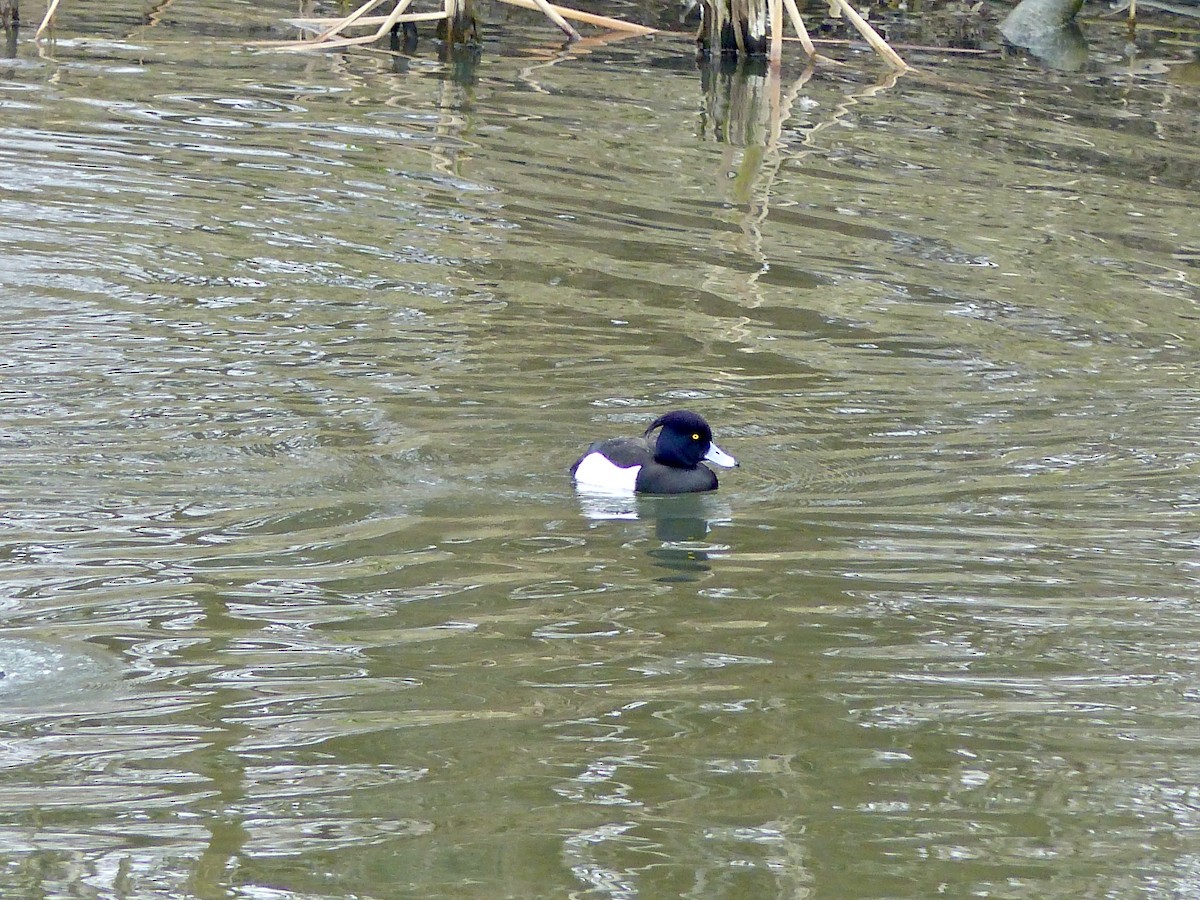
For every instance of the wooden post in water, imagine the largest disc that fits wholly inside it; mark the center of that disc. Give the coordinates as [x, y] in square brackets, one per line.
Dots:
[734, 27]
[739, 28]
[459, 26]
[10, 13]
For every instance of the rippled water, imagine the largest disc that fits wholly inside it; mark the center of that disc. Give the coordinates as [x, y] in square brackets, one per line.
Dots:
[298, 601]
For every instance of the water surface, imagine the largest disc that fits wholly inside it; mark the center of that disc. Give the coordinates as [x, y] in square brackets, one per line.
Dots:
[298, 601]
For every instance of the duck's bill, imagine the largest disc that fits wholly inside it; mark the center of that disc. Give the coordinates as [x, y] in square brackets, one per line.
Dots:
[719, 457]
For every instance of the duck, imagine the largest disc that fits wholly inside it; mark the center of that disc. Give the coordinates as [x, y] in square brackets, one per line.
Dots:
[673, 465]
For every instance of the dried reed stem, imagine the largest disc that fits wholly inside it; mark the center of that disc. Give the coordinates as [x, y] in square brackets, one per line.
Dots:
[587, 18]
[326, 41]
[776, 51]
[552, 14]
[317, 23]
[348, 21]
[878, 44]
[46, 19]
[798, 27]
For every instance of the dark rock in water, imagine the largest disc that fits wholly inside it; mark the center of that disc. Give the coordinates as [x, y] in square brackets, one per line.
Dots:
[1047, 29]
[1033, 18]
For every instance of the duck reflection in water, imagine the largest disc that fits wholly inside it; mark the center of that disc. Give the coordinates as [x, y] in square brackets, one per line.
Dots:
[682, 523]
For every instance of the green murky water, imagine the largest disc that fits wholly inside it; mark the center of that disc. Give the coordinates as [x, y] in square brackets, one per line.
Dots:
[296, 600]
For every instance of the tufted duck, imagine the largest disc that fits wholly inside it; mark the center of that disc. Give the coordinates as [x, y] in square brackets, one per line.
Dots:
[672, 466]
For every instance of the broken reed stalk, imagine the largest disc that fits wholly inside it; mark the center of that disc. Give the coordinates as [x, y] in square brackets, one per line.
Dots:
[348, 21]
[798, 26]
[878, 44]
[46, 19]
[317, 24]
[335, 43]
[331, 27]
[776, 9]
[552, 14]
[566, 12]
[735, 26]
[326, 41]
[394, 17]
[587, 18]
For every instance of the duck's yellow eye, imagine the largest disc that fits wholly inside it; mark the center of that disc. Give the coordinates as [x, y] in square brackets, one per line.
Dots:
[695, 437]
